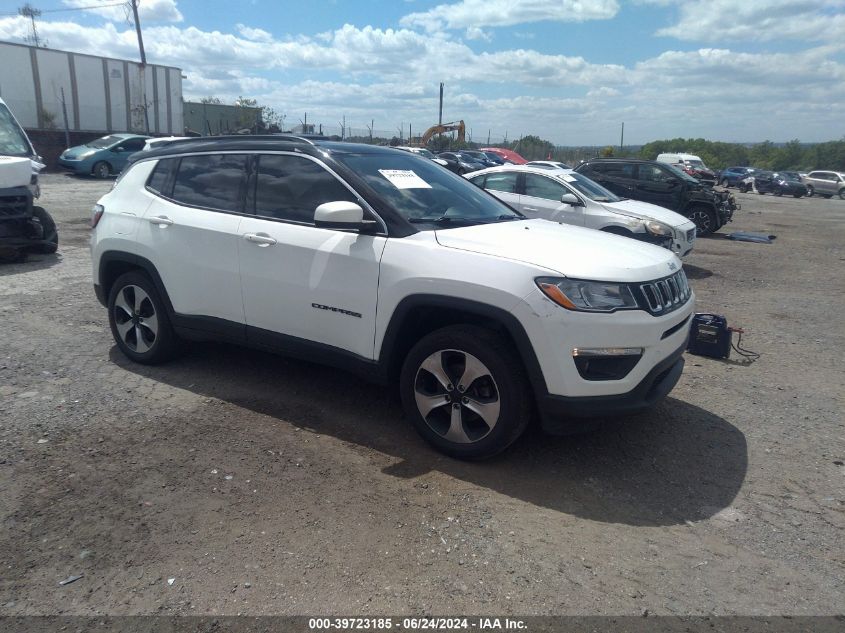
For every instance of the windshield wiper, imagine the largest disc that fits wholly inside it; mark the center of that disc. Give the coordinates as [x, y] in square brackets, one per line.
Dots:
[443, 219]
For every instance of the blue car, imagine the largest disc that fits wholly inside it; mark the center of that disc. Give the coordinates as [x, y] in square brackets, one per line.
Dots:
[103, 157]
[732, 176]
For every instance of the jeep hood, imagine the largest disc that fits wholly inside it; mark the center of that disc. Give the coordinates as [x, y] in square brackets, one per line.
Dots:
[567, 250]
[637, 209]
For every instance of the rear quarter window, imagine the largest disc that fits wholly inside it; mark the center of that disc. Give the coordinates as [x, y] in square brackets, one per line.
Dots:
[161, 179]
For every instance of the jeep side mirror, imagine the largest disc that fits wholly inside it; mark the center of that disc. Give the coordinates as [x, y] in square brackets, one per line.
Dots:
[571, 199]
[343, 215]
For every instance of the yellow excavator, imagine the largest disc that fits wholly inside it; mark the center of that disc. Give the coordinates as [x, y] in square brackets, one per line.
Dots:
[442, 129]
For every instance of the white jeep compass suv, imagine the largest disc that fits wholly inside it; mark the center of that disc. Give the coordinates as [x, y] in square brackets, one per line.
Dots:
[381, 262]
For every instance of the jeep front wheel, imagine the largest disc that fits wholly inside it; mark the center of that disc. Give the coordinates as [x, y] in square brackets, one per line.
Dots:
[465, 391]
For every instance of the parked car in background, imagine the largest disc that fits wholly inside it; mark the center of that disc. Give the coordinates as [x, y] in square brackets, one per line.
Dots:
[460, 163]
[731, 176]
[825, 183]
[495, 158]
[103, 157]
[664, 185]
[562, 195]
[691, 164]
[549, 164]
[484, 317]
[425, 153]
[160, 141]
[779, 183]
[506, 154]
[481, 157]
[24, 226]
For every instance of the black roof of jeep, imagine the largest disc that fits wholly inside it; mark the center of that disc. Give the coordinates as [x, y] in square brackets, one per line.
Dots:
[258, 142]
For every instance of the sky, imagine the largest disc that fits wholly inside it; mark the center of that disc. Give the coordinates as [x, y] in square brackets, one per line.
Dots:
[570, 71]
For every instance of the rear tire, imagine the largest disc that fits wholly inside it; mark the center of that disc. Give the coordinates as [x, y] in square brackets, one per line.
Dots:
[467, 421]
[138, 320]
[49, 231]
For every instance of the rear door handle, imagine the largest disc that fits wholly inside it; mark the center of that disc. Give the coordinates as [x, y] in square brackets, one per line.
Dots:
[260, 239]
[161, 220]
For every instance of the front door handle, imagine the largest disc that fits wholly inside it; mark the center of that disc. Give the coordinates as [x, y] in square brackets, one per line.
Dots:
[260, 239]
[161, 220]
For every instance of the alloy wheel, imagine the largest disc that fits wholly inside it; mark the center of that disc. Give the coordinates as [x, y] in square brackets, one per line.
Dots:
[703, 222]
[135, 318]
[457, 396]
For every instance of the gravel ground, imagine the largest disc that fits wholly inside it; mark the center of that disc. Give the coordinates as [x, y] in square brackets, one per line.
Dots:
[232, 481]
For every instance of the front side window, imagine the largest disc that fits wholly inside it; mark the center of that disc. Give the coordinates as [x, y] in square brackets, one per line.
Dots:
[505, 182]
[213, 181]
[541, 187]
[105, 141]
[653, 173]
[291, 188]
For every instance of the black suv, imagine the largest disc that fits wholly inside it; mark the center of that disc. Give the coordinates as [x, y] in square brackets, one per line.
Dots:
[779, 183]
[665, 186]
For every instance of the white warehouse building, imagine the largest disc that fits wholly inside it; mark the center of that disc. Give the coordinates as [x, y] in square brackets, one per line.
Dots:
[100, 94]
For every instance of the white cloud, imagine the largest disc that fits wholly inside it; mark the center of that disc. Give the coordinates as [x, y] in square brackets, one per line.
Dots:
[481, 13]
[604, 91]
[149, 11]
[253, 34]
[757, 20]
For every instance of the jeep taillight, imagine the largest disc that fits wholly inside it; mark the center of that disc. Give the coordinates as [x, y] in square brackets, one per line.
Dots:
[96, 214]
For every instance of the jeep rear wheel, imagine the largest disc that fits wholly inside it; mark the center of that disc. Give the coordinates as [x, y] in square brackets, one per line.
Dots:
[139, 321]
[465, 391]
[705, 220]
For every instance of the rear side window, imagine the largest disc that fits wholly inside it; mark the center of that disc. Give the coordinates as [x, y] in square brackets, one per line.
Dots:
[160, 180]
[505, 182]
[213, 181]
[619, 170]
[291, 187]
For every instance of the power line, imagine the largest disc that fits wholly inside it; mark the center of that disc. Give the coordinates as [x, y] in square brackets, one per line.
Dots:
[88, 8]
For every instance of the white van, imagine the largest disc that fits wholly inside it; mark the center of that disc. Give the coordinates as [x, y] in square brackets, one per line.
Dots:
[564, 195]
[691, 164]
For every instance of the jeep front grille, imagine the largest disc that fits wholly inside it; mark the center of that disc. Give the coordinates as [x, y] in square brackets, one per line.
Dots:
[667, 294]
[14, 207]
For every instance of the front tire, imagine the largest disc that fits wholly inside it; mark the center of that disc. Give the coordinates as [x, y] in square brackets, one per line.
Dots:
[705, 221]
[139, 321]
[465, 391]
[50, 234]
[101, 170]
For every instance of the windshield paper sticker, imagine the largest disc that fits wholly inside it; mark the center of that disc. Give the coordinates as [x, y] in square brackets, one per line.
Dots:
[404, 179]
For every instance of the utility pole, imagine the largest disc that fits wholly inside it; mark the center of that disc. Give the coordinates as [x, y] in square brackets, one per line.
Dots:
[372, 125]
[64, 115]
[488, 137]
[622, 138]
[28, 11]
[440, 116]
[143, 63]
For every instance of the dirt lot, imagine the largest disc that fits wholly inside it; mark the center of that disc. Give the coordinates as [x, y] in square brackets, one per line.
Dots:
[262, 485]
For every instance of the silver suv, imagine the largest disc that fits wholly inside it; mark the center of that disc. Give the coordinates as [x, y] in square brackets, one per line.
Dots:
[825, 183]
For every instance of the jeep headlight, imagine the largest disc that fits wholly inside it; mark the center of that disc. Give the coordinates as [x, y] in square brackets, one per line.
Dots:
[658, 228]
[587, 296]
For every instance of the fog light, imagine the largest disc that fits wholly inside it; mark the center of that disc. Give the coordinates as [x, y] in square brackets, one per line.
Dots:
[606, 363]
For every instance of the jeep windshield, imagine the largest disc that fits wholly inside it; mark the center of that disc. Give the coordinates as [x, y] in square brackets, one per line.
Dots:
[106, 141]
[589, 188]
[13, 141]
[424, 193]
